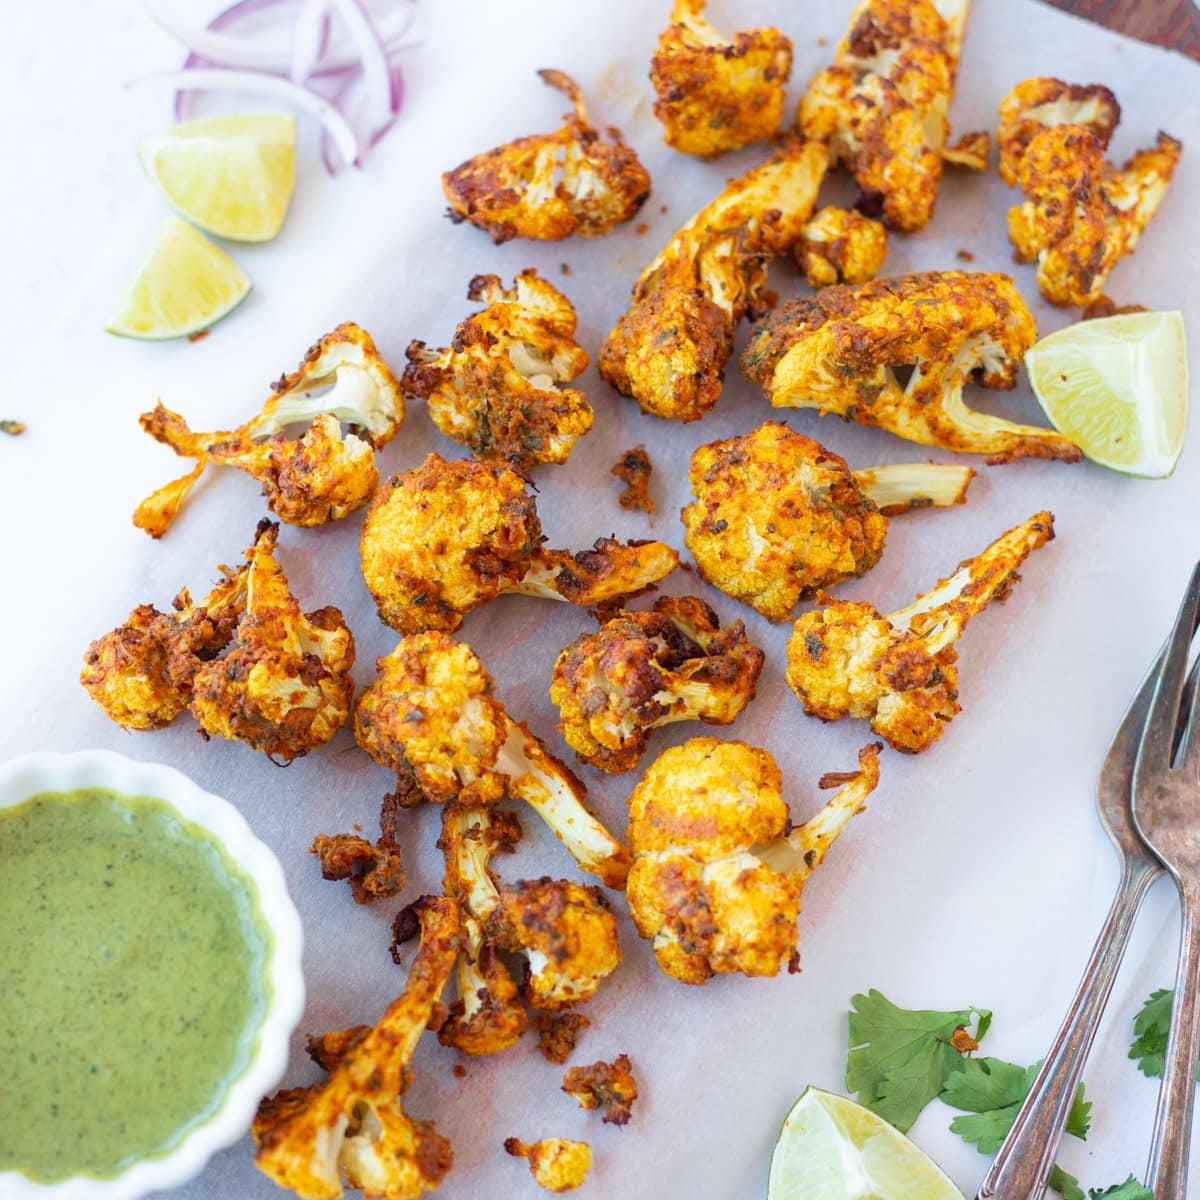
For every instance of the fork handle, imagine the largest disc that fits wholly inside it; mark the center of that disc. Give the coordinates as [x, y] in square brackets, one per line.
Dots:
[1024, 1162]
[1168, 1169]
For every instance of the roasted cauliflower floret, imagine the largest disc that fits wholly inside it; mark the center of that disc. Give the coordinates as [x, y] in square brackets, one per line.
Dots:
[556, 1164]
[717, 876]
[445, 537]
[432, 717]
[882, 106]
[488, 1015]
[1080, 214]
[716, 93]
[550, 185]
[320, 476]
[669, 350]
[898, 671]
[431, 714]
[567, 933]
[642, 669]
[351, 1130]
[846, 349]
[1043, 103]
[283, 684]
[777, 516]
[610, 1087]
[841, 246]
[497, 388]
[141, 673]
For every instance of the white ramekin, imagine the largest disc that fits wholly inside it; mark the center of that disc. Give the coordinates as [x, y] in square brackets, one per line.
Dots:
[34, 773]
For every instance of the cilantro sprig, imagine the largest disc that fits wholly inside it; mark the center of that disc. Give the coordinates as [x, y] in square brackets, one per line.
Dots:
[989, 1091]
[1150, 1027]
[902, 1059]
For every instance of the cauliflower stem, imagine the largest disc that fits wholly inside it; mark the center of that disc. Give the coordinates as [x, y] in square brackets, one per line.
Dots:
[898, 672]
[351, 1130]
[897, 353]
[320, 476]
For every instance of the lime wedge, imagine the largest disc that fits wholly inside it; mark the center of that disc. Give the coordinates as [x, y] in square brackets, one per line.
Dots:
[232, 176]
[186, 285]
[1118, 388]
[833, 1149]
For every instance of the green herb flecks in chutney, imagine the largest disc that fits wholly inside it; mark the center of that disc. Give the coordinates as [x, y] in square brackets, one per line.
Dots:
[132, 985]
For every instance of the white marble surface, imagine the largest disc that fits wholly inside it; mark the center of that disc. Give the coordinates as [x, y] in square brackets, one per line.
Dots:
[979, 875]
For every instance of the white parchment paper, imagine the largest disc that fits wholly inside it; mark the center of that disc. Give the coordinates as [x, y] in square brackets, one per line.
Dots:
[978, 876]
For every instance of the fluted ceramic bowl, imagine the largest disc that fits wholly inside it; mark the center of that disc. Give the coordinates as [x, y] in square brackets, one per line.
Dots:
[35, 773]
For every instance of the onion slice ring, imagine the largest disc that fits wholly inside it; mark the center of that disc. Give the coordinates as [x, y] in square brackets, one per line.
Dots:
[254, 83]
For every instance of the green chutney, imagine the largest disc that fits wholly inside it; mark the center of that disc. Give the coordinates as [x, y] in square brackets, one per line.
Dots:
[132, 981]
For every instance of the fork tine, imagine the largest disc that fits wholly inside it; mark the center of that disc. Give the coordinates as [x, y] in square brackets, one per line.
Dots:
[1189, 749]
[1158, 740]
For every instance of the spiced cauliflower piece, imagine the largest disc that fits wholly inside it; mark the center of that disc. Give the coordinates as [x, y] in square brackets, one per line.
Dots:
[845, 659]
[846, 349]
[1080, 214]
[433, 718]
[1044, 103]
[642, 669]
[446, 537]
[320, 476]
[634, 469]
[777, 516]
[487, 1015]
[610, 1087]
[350, 1130]
[140, 674]
[669, 350]
[566, 931]
[718, 868]
[716, 93]
[498, 387]
[373, 872]
[840, 245]
[283, 683]
[556, 1164]
[882, 107]
[431, 714]
[558, 1034]
[550, 185]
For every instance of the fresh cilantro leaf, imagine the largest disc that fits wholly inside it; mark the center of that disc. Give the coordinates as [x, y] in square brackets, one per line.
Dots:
[1065, 1184]
[1129, 1190]
[991, 1090]
[1151, 1026]
[900, 1059]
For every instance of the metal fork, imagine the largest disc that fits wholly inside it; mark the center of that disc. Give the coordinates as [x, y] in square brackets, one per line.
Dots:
[1023, 1164]
[1166, 812]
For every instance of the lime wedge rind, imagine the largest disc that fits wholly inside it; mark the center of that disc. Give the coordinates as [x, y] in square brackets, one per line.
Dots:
[186, 285]
[232, 176]
[1118, 388]
[831, 1148]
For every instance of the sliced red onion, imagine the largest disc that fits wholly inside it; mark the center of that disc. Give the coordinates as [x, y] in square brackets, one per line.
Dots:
[209, 79]
[373, 55]
[340, 94]
[310, 39]
[213, 46]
